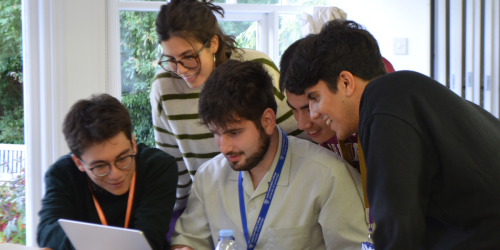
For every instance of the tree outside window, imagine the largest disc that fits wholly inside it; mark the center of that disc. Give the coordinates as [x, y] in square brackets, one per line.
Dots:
[12, 198]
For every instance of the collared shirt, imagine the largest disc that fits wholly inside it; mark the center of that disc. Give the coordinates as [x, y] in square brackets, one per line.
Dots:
[351, 144]
[175, 120]
[316, 204]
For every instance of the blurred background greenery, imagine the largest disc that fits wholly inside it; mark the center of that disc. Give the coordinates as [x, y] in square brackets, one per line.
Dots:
[11, 73]
[140, 51]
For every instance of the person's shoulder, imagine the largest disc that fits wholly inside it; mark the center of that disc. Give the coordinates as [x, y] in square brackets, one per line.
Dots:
[162, 74]
[399, 79]
[254, 55]
[65, 169]
[260, 57]
[155, 163]
[147, 152]
[63, 164]
[153, 156]
[313, 155]
[163, 80]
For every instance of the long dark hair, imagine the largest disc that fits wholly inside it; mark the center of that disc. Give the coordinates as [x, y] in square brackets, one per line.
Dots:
[192, 19]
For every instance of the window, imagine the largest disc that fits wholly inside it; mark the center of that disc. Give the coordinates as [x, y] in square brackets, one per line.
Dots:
[252, 27]
[12, 148]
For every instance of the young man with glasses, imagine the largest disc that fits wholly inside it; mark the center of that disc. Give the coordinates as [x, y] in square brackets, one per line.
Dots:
[107, 178]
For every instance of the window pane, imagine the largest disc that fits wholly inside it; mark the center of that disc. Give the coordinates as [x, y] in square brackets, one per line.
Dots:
[258, 1]
[244, 32]
[305, 2]
[139, 54]
[289, 31]
[12, 148]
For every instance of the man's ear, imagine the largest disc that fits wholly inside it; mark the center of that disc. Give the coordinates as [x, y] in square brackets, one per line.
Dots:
[214, 44]
[78, 163]
[268, 121]
[347, 83]
[134, 144]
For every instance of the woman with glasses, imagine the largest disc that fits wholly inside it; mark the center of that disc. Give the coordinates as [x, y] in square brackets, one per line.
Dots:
[193, 45]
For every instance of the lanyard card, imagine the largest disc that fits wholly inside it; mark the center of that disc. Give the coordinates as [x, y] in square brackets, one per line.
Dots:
[367, 246]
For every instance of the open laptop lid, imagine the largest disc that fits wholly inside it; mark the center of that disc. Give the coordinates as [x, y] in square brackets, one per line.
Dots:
[85, 236]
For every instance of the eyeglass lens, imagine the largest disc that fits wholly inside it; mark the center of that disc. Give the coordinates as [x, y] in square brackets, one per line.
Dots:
[121, 163]
[188, 62]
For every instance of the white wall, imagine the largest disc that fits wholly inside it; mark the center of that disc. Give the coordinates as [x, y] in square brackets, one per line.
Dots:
[387, 19]
[64, 60]
[84, 53]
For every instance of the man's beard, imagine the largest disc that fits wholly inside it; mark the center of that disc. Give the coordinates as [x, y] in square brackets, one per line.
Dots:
[254, 159]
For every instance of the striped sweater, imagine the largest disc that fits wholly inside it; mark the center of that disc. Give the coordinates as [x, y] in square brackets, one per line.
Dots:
[176, 124]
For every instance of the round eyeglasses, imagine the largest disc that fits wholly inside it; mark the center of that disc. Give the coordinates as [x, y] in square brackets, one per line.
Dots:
[169, 64]
[102, 169]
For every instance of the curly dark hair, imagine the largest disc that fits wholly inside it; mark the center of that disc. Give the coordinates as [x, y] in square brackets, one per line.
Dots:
[95, 120]
[341, 45]
[234, 91]
[194, 20]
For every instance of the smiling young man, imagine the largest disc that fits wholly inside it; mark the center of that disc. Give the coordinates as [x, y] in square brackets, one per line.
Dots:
[431, 157]
[317, 129]
[310, 197]
[107, 178]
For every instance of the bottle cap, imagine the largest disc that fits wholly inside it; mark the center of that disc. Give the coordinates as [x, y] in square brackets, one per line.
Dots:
[226, 232]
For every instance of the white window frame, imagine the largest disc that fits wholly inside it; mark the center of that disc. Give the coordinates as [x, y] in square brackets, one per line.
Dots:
[265, 14]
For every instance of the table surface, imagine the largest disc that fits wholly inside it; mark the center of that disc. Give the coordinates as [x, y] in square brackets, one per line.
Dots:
[10, 246]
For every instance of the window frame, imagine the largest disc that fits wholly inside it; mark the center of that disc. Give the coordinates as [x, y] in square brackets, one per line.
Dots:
[267, 16]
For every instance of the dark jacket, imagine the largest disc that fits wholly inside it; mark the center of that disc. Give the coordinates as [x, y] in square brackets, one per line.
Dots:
[433, 165]
[68, 196]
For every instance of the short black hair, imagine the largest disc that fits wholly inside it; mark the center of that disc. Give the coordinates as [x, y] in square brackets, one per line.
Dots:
[95, 120]
[286, 57]
[236, 90]
[341, 45]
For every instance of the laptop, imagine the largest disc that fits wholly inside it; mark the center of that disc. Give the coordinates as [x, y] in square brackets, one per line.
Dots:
[86, 236]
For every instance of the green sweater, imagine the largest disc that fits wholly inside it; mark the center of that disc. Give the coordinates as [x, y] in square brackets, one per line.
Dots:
[68, 196]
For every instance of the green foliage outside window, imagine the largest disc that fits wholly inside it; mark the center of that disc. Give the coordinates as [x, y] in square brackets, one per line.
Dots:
[12, 211]
[11, 73]
[139, 54]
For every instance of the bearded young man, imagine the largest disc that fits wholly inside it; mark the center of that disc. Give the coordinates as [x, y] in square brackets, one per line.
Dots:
[312, 196]
[431, 157]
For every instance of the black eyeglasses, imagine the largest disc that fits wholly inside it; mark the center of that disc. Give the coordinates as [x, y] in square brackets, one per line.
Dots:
[189, 62]
[102, 169]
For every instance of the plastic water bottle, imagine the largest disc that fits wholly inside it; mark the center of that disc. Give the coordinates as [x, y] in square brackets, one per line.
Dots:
[226, 240]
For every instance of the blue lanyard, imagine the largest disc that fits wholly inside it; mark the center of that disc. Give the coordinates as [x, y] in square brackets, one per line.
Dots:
[267, 201]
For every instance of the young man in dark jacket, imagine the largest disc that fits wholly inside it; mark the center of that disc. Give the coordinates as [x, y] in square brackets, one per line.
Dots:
[107, 178]
[432, 158]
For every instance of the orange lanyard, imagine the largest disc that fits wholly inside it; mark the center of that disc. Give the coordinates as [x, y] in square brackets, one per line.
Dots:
[362, 165]
[129, 204]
